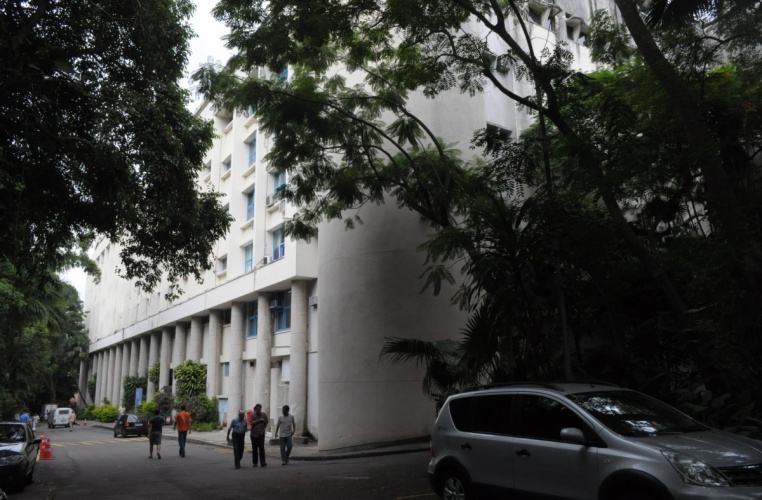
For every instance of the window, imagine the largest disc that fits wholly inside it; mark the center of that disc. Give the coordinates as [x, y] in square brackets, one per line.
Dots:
[226, 368]
[279, 247]
[222, 264]
[251, 319]
[208, 168]
[250, 205]
[281, 309]
[226, 316]
[536, 17]
[279, 179]
[283, 75]
[226, 166]
[483, 414]
[543, 418]
[252, 152]
[248, 258]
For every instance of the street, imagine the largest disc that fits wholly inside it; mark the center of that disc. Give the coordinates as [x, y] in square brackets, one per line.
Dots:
[91, 463]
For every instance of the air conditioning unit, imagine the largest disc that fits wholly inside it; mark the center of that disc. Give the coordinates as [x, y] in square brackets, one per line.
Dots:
[266, 260]
[313, 301]
[270, 200]
[276, 303]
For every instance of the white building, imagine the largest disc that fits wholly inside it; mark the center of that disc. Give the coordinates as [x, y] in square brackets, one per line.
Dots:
[286, 322]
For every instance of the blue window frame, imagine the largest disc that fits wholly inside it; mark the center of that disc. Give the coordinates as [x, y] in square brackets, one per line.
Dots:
[252, 152]
[279, 180]
[248, 258]
[250, 205]
[283, 75]
[282, 311]
[279, 246]
[251, 319]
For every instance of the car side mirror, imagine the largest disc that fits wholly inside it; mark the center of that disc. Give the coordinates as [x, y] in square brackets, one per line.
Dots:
[573, 435]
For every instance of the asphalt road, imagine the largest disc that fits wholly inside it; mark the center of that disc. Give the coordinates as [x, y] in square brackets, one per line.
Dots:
[91, 463]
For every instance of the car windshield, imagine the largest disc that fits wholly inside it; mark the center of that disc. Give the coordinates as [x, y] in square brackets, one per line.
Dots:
[11, 433]
[634, 414]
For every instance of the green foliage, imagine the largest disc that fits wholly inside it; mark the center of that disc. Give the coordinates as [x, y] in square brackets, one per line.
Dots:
[153, 375]
[91, 385]
[147, 408]
[110, 146]
[203, 410]
[190, 381]
[164, 400]
[206, 426]
[659, 276]
[131, 384]
[106, 413]
[87, 413]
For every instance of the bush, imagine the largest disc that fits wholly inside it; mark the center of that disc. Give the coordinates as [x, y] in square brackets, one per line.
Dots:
[164, 401]
[205, 426]
[202, 410]
[87, 413]
[106, 413]
[146, 408]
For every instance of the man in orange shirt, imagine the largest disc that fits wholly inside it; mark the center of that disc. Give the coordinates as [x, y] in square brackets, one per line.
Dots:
[182, 424]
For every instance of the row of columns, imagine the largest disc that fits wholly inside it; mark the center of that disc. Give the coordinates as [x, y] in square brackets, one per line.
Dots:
[136, 356]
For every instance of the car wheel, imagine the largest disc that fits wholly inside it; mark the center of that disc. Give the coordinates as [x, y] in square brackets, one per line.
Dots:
[115, 432]
[455, 486]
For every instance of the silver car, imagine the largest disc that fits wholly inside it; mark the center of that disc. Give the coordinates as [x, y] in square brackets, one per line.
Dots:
[584, 441]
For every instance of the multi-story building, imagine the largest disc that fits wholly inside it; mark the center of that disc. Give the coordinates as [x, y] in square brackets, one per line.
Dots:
[279, 321]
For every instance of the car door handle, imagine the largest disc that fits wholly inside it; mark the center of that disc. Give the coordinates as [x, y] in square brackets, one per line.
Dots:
[523, 452]
[466, 446]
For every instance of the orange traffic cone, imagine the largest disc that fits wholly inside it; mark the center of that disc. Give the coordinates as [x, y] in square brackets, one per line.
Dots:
[45, 453]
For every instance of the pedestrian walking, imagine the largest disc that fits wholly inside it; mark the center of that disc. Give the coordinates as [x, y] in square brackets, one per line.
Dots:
[182, 424]
[35, 420]
[72, 419]
[258, 427]
[238, 428]
[155, 426]
[286, 428]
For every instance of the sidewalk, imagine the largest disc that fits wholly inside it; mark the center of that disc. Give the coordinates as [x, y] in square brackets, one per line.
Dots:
[301, 450]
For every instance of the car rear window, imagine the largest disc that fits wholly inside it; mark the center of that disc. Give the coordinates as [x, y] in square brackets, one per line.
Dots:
[63, 412]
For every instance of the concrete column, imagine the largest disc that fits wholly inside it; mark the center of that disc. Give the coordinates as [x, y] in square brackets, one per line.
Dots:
[100, 379]
[237, 333]
[193, 351]
[264, 353]
[275, 374]
[165, 355]
[82, 386]
[106, 375]
[116, 372]
[125, 373]
[143, 357]
[134, 357]
[212, 355]
[179, 347]
[153, 358]
[297, 390]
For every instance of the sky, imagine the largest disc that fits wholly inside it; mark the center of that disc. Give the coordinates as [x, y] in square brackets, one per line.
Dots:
[207, 46]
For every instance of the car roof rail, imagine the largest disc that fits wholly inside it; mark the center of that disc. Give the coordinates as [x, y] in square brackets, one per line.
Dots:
[556, 385]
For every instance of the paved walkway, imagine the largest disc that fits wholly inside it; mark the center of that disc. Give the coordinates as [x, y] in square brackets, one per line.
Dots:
[301, 451]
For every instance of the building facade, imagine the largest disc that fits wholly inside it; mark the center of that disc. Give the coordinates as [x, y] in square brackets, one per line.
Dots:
[281, 322]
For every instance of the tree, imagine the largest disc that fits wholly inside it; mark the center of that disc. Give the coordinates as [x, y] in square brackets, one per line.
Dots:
[346, 144]
[42, 364]
[96, 139]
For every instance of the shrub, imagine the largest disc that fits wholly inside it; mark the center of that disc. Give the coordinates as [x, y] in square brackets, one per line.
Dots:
[191, 380]
[106, 413]
[206, 426]
[164, 400]
[87, 413]
[202, 409]
[146, 408]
